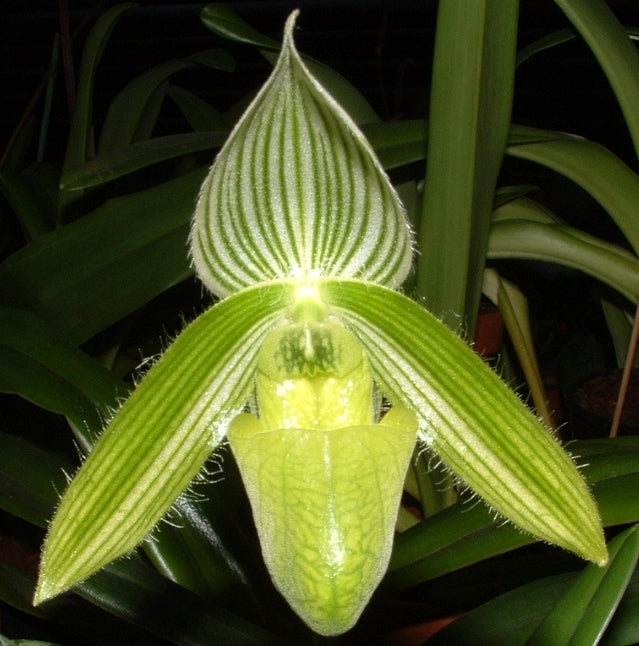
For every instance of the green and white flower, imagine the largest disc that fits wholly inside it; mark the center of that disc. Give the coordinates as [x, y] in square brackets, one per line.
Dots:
[301, 234]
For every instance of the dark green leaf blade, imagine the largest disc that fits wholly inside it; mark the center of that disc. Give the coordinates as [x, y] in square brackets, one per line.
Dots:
[25, 205]
[112, 165]
[553, 242]
[133, 591]
[126, 111]
[511, 618]
[615, 52]
[117, 258]
[580, 617]
[27, 492]
[78, 146]
[225, 22]
[507, 620]
[462, 535]
[469, 119]
[201, 116]
[39, 364]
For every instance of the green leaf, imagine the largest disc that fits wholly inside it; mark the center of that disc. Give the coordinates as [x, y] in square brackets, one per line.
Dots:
[4, 641]
[132, 590]
[127, 110]
[624, 628]
[597, 170]
[24, 204]
[552, 242]
[122, 161]
[580, 617]
[39, 364]
[201, 116]
[461, 535]
[80, 132]
[469, 119]
[510, 619]
[619, 324]
[470, 418]
[159, 439]
[134, 605]
[27, 492]
[507, 620]
[78, 617]
[547, 41]
[225, 22]
[561, 36]
[325, 206]
[101, 283]
[206, 550]
[397, 143]
[615, 52]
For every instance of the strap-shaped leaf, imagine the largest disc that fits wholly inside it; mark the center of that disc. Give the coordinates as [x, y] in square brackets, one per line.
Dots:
[469, 118]
[297, 191]
[580, 617]
[476, 424]
[159, 439]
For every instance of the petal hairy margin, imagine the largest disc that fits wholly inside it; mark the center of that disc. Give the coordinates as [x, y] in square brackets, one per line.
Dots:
[471, 418]
[297, 191]
[160, 438]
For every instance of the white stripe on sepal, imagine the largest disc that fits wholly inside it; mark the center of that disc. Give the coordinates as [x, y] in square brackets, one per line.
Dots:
[297, 191]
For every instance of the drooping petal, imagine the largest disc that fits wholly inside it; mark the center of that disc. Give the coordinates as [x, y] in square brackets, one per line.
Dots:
[471, 418]
[159, 439]
[297, 191]
[324, 482]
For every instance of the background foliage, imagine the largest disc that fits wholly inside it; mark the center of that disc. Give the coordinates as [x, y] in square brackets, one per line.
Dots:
[95, 278]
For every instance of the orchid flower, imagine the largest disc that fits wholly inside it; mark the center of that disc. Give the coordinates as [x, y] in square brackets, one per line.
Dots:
[300, 234]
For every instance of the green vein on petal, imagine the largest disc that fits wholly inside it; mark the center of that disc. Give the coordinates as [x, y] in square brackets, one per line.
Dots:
[475, 423]
[160, 438]
[297, 191]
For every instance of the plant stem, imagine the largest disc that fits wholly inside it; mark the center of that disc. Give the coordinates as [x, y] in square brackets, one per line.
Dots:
[623, 388]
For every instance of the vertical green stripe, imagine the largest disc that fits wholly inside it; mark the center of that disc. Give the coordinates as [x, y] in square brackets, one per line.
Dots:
[297, 187]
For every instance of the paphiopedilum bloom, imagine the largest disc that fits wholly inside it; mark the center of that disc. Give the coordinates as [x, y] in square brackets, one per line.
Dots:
[300, 233]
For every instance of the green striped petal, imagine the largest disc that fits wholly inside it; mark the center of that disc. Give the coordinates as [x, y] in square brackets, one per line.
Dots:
[160, 438]
[297, 191]
[470, 418]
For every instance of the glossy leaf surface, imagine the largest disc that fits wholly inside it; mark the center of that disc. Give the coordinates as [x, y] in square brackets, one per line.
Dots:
[580, 617]
[463, 535]
[469, 118]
